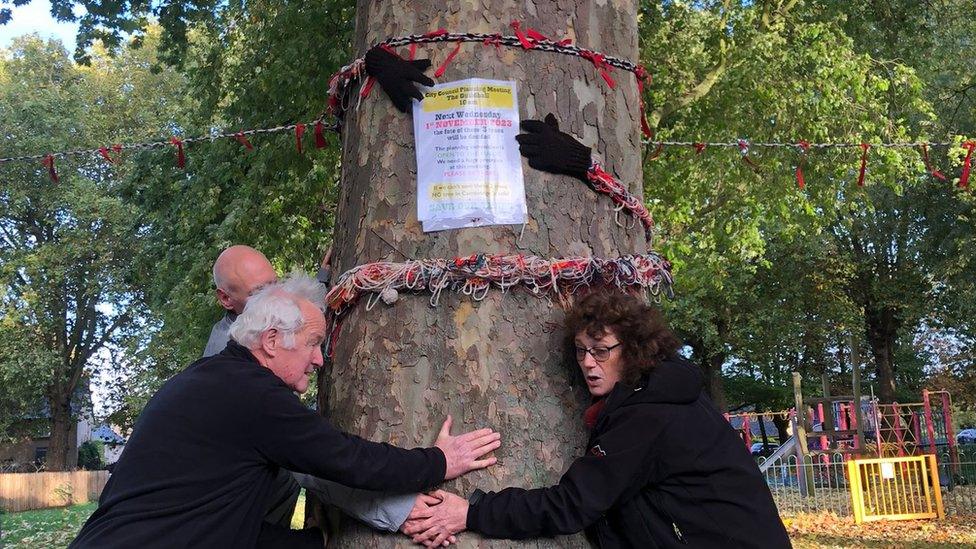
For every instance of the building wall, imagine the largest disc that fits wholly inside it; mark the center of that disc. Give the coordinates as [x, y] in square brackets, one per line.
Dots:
[26, 451]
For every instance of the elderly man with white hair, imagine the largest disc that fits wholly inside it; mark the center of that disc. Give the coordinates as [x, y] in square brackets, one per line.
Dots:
[238, 272]
[200, 462]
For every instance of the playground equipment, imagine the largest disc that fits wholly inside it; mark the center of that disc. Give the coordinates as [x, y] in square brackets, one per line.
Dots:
[853, 455]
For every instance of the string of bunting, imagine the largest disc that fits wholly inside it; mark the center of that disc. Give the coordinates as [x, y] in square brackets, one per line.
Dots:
[47, 159]
[320, 128]
[527, 39]
[475, 275]
[803, 148]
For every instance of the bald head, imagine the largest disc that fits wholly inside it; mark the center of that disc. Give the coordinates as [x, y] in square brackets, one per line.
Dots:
[238, 272]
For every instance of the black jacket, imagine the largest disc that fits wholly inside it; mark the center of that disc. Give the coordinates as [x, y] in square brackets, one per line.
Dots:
[199, 465]
[662, 469]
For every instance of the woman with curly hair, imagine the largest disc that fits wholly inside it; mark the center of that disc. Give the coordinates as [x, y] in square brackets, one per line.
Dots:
[662, 467]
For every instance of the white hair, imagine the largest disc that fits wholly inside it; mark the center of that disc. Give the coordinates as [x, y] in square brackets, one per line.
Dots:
[275, 306]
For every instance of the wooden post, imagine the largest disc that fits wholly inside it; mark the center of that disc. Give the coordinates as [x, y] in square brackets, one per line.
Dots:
[800, 432]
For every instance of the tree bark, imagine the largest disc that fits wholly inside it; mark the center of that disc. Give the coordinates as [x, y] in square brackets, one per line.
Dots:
[399, 370]
[881, 328]
[58, 444]
[714, 383]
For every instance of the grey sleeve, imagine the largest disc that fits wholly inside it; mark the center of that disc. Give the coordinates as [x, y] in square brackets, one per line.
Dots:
[380, 510]
[324, 275]
[219, 336]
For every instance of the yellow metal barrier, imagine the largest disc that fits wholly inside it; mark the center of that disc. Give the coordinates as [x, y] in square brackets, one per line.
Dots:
[897, 488]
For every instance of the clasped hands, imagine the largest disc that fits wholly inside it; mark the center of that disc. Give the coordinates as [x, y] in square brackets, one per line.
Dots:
[436, 518]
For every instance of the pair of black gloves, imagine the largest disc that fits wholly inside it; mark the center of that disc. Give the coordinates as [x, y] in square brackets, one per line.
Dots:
[543, 145]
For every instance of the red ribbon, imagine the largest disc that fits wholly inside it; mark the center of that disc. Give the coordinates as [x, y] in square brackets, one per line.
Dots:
[526, 43]
[744, 149]
[493, 40]
[367, 87]
[436, 33]
[48, 161]
[440, 70]
[928, 166]
[699, 147]
[535, 35]
[804, 147]
[242, 139]
[600, 62]
[645, 127]
[104, 152]
[320, 142]
[413, 51]
[864, 163]
[966, 164]
[180, 157]
[299, 132]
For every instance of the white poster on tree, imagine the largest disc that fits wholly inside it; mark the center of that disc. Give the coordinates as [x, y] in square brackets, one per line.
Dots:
[469, 172]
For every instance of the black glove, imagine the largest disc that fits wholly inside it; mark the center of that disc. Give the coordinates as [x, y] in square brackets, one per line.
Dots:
[397, 76]
[551, 150]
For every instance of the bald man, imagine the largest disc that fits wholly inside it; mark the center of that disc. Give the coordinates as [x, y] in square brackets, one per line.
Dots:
[239, 272]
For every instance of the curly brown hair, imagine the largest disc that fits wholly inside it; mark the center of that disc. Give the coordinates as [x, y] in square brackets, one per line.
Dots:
[643, 333]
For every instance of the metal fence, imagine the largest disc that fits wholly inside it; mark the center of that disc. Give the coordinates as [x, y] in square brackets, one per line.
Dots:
[957, 475]
[818, 484]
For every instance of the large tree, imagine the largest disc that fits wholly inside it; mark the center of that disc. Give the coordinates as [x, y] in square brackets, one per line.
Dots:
[399, 370]
[66, 291]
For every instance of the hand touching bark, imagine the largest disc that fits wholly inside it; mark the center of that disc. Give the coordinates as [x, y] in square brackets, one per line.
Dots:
[462, 452]
[439, 523]
[422, 510]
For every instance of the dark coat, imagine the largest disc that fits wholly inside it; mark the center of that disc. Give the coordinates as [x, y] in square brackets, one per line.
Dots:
[199, 466]
[662, 469]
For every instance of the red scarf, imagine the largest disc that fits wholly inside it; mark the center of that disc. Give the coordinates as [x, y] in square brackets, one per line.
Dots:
[593, 412]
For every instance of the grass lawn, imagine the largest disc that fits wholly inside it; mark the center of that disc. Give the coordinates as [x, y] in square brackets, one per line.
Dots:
[44, 527]
[57, 527]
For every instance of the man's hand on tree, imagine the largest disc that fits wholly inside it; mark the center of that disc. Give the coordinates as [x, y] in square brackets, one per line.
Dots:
[438, 523]
[462, 452]
[397, 76]
[422, 510]
[553, 151]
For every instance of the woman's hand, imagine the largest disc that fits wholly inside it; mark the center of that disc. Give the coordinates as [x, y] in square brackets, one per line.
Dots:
[420, 511]
[439, 523]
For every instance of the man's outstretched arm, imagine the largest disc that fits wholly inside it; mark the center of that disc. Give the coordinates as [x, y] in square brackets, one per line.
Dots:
[379, 510]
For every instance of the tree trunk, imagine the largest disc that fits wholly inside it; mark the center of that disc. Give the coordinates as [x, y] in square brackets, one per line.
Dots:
[58, 458]
[714, 383]
[711, 365]
[882, 333]
[399, 370]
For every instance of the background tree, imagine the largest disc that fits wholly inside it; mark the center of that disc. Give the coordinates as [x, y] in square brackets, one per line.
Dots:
[66, 279]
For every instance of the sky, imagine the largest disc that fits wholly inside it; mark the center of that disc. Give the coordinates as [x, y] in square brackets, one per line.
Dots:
[36, 18]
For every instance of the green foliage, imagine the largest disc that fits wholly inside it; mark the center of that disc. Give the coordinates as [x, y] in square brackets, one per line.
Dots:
[770, 279]
[68, 290]
[91, 455]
